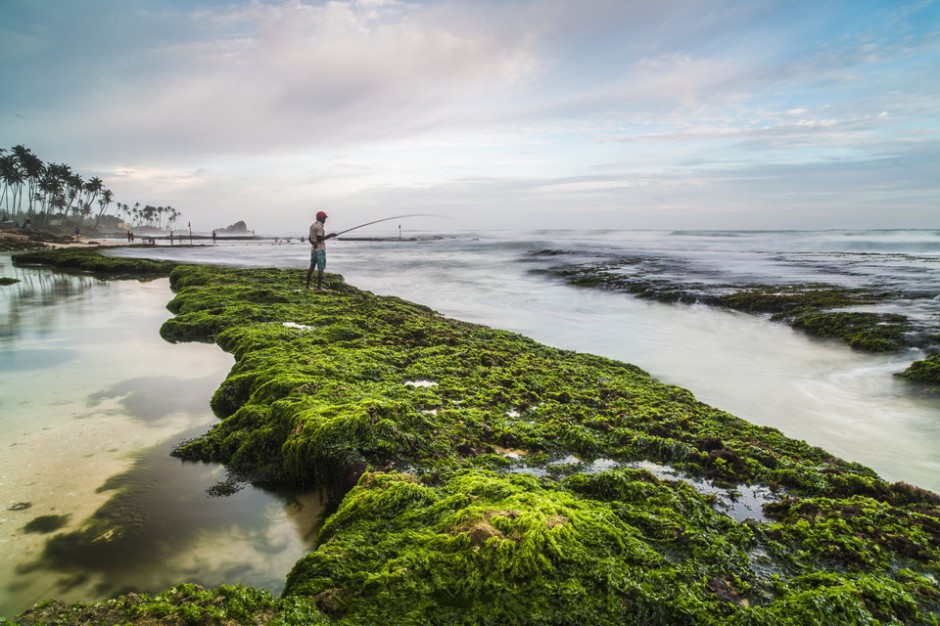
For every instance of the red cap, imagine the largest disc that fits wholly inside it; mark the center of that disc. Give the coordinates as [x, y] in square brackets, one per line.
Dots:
[321, 215]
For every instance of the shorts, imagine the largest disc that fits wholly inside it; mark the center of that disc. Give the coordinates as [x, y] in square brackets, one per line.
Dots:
[318, 260]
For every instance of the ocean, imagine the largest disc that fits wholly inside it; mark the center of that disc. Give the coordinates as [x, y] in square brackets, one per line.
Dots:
[93, 400]
[843, 400]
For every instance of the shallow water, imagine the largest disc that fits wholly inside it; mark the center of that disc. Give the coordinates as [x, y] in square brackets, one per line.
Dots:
[845, 401]
[92, 400]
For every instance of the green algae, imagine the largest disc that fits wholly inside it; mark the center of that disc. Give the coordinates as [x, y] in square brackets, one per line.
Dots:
[45, 524]
[91, 260]
[873, 332]
[227, 605]
[813, 309]
[926, 370]
[794, 299]
[616, 548]
[416, 424]
[301, 404]
[438, 531]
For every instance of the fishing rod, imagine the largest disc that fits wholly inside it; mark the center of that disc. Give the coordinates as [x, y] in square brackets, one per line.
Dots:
[386, 219]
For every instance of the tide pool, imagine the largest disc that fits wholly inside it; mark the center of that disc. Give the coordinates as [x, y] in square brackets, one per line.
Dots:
[92, 401]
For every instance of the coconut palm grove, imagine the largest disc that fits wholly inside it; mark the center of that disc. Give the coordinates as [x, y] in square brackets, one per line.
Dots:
[54, 197]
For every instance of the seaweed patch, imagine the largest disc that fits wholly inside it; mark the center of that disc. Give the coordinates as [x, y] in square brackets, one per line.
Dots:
[528, 484]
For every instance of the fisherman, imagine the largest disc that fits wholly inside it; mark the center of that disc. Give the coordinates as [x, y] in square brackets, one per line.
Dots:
[317, 239]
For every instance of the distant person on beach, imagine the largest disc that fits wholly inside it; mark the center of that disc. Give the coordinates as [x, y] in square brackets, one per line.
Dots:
[317, 239]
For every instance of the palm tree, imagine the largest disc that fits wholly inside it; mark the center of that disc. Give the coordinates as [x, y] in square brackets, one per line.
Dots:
[55, 189]
[148, 214]
[54, 186]
[174, 215]
[13, 179]
[86, 211]
[92, 189]
[125, 212]
[50, 188]
[74, 185]
[33, 169]
[103, 202]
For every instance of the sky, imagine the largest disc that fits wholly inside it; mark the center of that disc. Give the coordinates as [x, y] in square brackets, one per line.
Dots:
[497, 114]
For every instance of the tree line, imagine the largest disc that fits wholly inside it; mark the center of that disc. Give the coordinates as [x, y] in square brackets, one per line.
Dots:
[39, 193]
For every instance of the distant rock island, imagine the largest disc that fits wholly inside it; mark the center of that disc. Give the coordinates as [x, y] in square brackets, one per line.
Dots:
[238, 227]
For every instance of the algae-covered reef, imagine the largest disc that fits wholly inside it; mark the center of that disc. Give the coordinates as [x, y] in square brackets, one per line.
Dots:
[482, 478]
[924, 371]
[820, 310]
[91, 260]
[502, 481]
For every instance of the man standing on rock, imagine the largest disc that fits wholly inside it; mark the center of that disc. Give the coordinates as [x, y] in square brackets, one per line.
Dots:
[318, 253]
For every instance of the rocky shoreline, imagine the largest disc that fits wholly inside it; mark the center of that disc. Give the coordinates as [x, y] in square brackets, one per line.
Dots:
[481, 477]
[820, 310]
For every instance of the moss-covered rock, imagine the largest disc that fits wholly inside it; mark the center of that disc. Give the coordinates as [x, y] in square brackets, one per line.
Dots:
[91, 260]
[228, 605]
[817, 309]
[486, 526]
[793, 299]
[873, 332]
[483, 478]
[926, 370]
[620, 547]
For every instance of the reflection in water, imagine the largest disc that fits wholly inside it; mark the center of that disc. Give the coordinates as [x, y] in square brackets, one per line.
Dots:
[36, 295]
[92, 400]
[160, 527]
[152, 398]
[19, 360]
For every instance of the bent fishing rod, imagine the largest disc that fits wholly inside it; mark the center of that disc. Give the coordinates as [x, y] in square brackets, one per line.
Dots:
[385, 219]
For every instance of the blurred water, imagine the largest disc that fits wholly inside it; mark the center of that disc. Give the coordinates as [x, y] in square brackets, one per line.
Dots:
[845, 401]
[92, 400]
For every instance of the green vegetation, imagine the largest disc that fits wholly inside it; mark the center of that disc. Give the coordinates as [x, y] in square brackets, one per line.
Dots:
[874, 332]
[90, 260]
[229, 605]
[38, 193]
[45, 524]
[924, 371]
[483, 478]
[807, 308]
[789, 301]
[6, 280]
[817, 310]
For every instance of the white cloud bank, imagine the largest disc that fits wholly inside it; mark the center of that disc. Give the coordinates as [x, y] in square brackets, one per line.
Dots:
[523, 114]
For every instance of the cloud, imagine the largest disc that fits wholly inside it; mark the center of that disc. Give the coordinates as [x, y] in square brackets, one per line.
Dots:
[259, 106]
[276, 76]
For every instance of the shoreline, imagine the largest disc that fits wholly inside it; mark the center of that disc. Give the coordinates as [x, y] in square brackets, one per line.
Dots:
[824, 311]
[461, 440]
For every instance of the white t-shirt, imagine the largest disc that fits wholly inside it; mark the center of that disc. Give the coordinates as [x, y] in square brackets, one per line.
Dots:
[316, 230]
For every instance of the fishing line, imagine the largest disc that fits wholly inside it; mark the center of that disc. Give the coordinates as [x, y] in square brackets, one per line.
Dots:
[386, 219]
